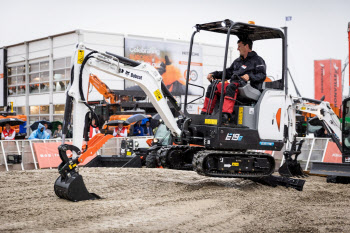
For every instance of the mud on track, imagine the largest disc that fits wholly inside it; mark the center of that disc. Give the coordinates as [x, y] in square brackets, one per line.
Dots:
[160, 200]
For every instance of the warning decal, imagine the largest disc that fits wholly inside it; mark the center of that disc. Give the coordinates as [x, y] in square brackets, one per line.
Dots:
[80, 56]
[158, 95]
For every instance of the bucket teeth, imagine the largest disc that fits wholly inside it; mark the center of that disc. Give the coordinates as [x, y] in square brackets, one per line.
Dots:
[291, 168]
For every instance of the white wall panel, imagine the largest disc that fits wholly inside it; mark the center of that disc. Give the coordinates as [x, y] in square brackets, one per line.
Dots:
[59, 98]
[17, 101]
[38, 99]
[65, 51]
[103, 39]
[39, 45]
[39, 54]
[65, 40]
[106, 48]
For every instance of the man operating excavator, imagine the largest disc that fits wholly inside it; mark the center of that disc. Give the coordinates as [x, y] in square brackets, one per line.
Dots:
[248, 67]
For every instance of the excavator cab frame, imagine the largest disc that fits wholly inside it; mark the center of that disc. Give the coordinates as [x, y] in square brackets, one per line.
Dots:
[241, 30]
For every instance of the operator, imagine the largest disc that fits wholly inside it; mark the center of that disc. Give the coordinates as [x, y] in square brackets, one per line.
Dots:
[248, 67]
[39, 133]
[120, 131]
[8, 133]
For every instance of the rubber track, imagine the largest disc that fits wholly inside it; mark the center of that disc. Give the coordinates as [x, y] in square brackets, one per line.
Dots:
[162, 156]
[200, 156]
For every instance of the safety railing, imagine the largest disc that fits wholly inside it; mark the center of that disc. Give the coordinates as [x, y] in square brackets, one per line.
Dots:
[29, 161]
[313, 150]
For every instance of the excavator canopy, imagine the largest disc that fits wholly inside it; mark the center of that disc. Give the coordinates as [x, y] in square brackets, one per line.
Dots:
[242, 30]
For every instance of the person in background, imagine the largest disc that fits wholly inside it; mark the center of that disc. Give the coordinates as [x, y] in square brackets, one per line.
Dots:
[8, 133]
[40, 133]
[138, 129]
[47, 130]
[58, 132]
[93, 130]
[148, 129]
[120, 131]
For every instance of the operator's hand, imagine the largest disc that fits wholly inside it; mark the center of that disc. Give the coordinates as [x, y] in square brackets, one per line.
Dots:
[210, 77]
[139, 131]
[96, 130]
[245, 77]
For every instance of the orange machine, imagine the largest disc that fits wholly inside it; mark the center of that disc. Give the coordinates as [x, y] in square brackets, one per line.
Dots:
[103, 89]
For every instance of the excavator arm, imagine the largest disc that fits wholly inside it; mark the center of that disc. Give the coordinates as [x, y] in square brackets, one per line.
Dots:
[69, 184]
[330, 121]
[103, 89]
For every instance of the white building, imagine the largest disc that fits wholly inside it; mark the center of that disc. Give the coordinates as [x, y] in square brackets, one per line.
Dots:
[38, 71]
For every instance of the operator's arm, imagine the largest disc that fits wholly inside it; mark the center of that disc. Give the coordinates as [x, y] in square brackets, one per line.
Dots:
[259, 73]
[229, 73]
[114, 132]
[2, 136]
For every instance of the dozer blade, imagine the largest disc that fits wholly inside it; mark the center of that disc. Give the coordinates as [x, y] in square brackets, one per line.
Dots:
[72, 188]
[291, 168]
[330, 169]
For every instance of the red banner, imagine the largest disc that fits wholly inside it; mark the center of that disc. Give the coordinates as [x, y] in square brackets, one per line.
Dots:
[333, 154]
[47, 154]
[328, 81]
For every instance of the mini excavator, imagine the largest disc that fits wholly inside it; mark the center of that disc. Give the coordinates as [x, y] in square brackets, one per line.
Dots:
[266, 121]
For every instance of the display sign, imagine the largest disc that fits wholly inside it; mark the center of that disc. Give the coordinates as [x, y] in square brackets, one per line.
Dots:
[3, 75]
[47, 154]
[328, 81]
[170, 59]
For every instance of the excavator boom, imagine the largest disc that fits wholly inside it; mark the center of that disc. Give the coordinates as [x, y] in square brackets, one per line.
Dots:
[70, 184]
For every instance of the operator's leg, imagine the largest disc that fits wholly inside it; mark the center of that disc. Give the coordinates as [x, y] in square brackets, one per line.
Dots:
[212, 95]
[210, 98]
[230, 98]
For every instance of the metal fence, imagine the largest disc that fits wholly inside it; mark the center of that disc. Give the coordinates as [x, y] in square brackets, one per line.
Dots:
[313, 150]
[29, 161]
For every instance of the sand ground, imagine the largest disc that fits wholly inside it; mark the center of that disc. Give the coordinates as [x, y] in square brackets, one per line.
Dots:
[161, 200]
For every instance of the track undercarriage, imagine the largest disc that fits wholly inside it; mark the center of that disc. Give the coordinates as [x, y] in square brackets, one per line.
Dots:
[255, 166]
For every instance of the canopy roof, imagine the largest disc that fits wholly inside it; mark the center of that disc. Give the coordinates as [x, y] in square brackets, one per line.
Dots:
[243, 30]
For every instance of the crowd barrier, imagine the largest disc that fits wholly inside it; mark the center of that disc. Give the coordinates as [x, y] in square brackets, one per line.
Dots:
[37, 154]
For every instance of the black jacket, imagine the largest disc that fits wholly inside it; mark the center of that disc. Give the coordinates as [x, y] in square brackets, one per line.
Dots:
[253, 65]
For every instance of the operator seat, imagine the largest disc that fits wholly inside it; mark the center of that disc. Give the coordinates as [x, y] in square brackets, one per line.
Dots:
[249, 92]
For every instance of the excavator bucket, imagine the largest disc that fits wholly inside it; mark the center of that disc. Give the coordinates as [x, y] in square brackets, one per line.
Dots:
[291, 168]
[70, 185]
[72, 188]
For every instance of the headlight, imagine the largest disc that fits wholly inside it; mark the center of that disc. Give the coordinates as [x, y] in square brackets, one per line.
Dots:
[155, 140]
[136, 144]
